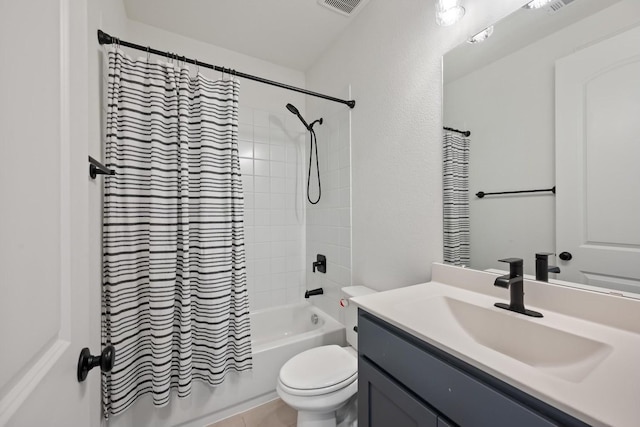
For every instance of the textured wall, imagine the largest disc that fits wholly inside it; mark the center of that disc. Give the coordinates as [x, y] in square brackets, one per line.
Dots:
[391, 56]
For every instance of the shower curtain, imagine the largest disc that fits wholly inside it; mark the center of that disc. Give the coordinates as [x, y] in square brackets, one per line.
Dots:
[456, 198]
[175, 302]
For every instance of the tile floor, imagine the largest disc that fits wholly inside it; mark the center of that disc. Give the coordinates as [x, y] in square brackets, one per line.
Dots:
[272, 414]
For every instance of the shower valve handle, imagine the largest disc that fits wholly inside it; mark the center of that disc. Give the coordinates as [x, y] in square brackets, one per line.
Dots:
[87, 362]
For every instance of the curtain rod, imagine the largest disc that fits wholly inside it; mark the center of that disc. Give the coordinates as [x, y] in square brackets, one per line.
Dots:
[464, 132]
[104, 38]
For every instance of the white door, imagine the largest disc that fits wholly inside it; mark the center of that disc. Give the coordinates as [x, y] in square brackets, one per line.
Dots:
[598, 163]
[43, 212]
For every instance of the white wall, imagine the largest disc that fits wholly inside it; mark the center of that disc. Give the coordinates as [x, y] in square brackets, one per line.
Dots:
[391, 56]
[329, 221]
[509, 107]
[271, 160]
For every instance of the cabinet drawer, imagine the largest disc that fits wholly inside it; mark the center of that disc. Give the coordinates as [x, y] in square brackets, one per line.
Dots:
[462, 398]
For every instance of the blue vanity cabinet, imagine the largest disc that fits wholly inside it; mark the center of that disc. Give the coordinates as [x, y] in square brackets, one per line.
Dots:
[389, 404]
[404, 381]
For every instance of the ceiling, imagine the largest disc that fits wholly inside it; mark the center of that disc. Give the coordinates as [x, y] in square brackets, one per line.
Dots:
[292, 33]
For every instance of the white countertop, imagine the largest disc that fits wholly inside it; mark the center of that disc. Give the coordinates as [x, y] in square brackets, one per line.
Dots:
[607, 393]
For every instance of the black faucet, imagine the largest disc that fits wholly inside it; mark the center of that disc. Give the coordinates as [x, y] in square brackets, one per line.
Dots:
[514, 281]
[320, 264]
[543, 268]
[313, 292]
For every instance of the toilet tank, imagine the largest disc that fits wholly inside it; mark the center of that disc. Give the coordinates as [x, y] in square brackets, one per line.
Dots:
[351, 310]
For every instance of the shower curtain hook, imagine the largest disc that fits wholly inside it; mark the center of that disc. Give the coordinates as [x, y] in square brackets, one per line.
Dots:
[197, 66]
[148, 53]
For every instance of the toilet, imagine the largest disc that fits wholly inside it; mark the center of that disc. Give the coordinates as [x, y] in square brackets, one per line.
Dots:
[321, 383]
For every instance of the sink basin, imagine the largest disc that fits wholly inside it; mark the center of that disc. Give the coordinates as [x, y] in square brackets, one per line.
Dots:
[552, 350]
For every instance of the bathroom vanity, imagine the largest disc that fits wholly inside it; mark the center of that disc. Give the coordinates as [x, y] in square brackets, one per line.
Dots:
[403, 378]
[440, 354]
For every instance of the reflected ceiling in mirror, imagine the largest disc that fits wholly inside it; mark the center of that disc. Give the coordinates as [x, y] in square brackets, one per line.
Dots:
[521, 28]
[547, 101]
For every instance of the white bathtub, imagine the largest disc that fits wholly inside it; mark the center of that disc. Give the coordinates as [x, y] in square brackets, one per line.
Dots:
[277, 334]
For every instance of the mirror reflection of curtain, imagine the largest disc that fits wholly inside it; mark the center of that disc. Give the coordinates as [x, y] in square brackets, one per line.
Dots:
[456, 198]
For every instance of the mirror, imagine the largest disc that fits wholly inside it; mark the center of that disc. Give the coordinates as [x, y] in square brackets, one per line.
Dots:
[550, 99]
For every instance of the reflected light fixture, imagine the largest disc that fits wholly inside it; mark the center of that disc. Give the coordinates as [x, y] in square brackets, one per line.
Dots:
[448, 12]
[481, 36]
[537, 4]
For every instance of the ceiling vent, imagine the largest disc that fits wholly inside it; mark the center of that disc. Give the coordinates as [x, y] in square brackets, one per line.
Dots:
[347, 7]
[556, 5]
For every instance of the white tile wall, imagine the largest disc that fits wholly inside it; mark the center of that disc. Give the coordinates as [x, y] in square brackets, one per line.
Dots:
[329, 222]
[271, 147]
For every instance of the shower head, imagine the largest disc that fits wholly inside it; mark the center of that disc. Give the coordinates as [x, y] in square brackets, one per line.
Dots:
[295, 111]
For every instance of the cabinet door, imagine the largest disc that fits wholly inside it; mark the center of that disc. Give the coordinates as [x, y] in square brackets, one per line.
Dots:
[383, 403]
[444, 423]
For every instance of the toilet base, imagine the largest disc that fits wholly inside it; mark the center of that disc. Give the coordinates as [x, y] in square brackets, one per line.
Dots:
[345, 416]
[316, 419]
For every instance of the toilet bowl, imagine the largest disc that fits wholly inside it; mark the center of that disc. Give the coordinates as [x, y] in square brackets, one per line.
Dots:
[321, 383]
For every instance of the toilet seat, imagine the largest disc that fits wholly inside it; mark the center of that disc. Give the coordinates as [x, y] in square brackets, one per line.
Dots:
[318, 371]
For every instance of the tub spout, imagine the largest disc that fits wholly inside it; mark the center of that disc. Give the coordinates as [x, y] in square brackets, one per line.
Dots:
[313, 292]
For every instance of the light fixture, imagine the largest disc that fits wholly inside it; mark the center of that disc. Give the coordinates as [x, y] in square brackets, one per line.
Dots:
[537, 4]
[448, 12]
[481, 36]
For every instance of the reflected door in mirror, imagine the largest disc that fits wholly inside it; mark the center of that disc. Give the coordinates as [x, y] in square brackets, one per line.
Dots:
[597, 163]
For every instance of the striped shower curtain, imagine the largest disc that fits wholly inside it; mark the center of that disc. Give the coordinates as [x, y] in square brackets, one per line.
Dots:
[456, 198]
[175, 302]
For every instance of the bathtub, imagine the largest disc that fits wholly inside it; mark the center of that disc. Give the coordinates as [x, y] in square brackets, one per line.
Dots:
[277, 334]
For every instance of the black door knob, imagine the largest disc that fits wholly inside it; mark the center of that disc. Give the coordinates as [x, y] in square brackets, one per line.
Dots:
[87, 362]
[565, 256]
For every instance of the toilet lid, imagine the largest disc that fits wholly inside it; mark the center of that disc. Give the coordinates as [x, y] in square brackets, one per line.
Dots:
[319, 368]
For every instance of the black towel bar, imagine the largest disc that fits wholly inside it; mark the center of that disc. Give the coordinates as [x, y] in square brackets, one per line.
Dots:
[96, 168]
[481, 194]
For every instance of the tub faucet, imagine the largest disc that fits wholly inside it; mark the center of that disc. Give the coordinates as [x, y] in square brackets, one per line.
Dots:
[320, 264]
[514, 281]
[543, 268]
[313, 292]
